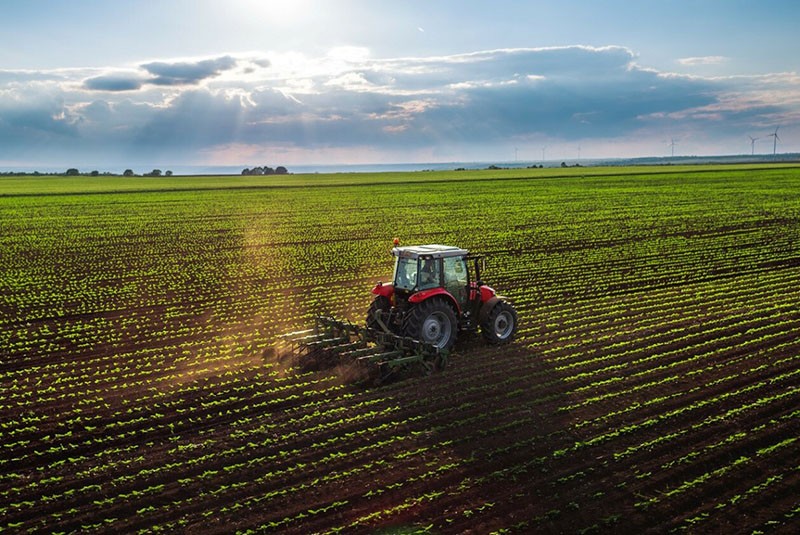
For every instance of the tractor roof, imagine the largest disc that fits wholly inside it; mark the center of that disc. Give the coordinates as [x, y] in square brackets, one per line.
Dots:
[434, 251]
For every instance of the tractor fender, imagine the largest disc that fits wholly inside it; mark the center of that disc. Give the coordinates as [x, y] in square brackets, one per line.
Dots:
[386, 290]
[487, 307]
[427, 294]
[487, 293]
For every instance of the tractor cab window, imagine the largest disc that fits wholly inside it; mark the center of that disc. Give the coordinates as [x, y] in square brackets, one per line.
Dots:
[405, 273]
[429, 273]
[455, 278]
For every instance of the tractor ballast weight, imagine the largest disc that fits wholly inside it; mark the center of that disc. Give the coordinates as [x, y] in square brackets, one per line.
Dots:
[435, 294]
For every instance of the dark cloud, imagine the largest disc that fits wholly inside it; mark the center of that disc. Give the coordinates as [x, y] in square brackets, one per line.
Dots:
[42, 111]
[113, 83]
[34, 122]
[608, 105]
[187, 73]
[196, 118]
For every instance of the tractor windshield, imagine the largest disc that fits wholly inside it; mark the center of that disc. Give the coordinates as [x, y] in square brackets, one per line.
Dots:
[405, 273]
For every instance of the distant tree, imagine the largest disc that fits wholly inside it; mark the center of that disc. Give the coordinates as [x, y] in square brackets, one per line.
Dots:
[72, 172]
[95, 173]
[265, 170]
[168, 173]
[128, 172]
[154, 172]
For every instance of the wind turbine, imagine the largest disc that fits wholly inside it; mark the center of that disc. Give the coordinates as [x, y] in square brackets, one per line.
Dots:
[672, 146]
[775, 140]
[752, 144]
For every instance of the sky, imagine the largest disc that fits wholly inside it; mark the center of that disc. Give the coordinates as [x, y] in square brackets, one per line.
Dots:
[150, 84]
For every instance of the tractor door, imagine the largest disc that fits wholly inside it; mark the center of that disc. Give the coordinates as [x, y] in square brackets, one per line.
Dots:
[456, 280]
[476, 265]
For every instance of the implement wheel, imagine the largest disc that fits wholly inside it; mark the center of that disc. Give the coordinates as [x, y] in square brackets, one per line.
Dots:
[433, 322]
[500, 324]
[379, 304]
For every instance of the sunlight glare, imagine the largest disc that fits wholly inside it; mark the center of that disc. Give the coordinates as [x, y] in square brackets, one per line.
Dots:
[277, 12]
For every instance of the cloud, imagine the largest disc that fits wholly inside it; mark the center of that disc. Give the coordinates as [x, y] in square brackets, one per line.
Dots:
[39, 112]
[703, 60]
[187, 72]
[347, 102]
[8, 77]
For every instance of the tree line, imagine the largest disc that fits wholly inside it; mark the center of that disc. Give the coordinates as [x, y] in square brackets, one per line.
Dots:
[72, 171]
[266, 170]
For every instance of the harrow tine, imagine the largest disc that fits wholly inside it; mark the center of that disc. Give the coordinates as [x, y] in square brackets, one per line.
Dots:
[297, 333]
[327, 342]
[381, 358]
[362, 352]
[307, 338]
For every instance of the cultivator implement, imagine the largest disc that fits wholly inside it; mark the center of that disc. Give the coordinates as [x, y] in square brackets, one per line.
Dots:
[377, 353]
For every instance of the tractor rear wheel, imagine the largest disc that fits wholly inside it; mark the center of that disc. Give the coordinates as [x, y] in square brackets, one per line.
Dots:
[500, 325]
[433, 322]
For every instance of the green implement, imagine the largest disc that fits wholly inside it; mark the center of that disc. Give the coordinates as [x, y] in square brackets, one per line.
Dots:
[377, 352]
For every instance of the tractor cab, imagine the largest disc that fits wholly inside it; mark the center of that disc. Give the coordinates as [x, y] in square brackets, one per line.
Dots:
[427, 267]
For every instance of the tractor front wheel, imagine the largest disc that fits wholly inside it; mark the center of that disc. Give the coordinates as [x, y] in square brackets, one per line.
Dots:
[500, 325]
[433, 322]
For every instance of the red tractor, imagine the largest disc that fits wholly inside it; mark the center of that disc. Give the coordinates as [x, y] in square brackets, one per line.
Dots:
[436, 292]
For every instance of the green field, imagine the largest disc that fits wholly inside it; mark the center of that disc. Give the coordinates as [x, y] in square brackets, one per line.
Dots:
[654, 384]
[44, 185]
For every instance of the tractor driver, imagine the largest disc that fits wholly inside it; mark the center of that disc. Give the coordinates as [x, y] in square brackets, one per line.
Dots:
[428, 276]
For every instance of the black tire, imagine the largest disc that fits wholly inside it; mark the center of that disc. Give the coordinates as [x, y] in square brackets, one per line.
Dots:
[379, 303]
[432, 321]
[500, 325]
